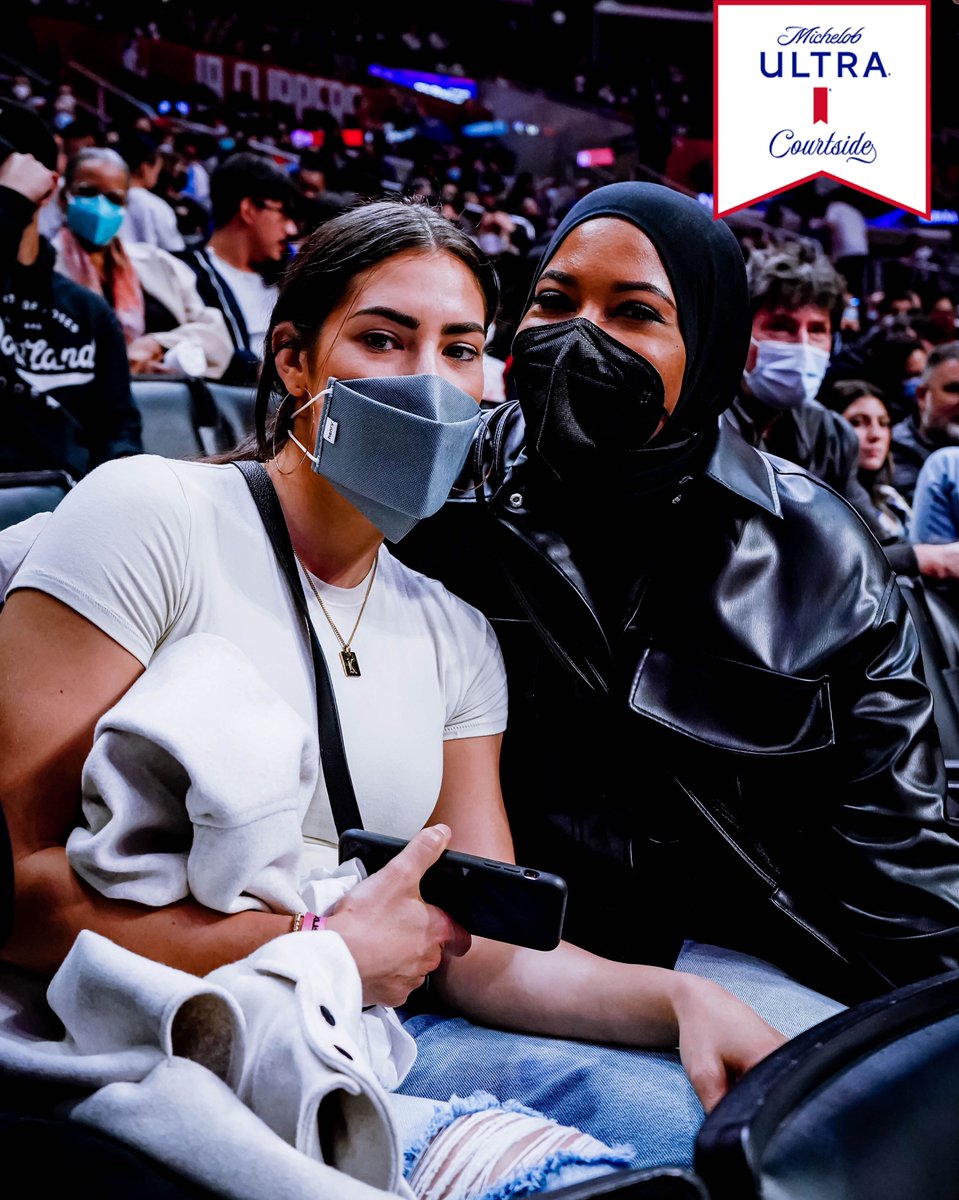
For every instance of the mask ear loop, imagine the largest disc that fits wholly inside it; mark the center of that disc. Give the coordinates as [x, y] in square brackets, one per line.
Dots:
[315, 458]
[276, 465]
[325, 392]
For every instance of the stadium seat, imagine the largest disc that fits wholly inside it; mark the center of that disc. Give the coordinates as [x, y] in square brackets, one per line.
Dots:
[176, 423]
[23, 493]
[233, 405]
[860, 1107]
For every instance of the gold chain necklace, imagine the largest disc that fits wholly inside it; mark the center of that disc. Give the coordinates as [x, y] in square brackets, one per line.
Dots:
[349, 660]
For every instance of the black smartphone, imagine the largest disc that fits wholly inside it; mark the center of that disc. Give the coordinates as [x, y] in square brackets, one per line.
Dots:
[489, 898]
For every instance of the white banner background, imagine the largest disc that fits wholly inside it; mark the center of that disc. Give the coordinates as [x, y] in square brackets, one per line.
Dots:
[752, 109]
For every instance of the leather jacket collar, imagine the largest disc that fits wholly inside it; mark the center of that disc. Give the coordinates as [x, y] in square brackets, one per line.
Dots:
[734, 465]
[553, 592]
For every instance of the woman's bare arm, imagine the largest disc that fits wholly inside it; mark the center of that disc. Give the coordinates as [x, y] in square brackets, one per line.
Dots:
[58, 674]
[568, 992]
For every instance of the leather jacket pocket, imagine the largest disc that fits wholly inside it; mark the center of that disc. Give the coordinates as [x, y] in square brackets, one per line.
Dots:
[733, 706]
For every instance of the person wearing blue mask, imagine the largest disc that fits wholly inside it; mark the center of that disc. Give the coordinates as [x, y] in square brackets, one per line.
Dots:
[367, 406]
[153, 294]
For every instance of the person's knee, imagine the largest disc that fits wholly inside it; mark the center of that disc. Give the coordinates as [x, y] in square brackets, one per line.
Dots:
[491, 1153]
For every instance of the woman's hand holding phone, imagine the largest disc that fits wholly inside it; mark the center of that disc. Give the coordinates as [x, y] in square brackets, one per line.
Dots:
[396, 939]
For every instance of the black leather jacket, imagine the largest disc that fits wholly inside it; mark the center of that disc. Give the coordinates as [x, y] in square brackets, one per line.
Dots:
[754, 762]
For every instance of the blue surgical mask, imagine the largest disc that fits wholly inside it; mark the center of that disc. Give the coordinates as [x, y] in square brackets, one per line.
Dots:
[910, 387]
[94, 218]
[392, 446]
[787, 374]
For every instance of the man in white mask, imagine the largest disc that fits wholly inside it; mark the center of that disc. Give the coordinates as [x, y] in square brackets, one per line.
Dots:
[796, 295]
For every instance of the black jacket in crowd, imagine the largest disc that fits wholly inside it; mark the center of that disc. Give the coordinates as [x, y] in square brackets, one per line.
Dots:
[909, 451]
[823, 442]
[64, 373]
[749, 756]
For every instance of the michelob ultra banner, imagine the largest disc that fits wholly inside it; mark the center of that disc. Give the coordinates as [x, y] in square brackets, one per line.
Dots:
[834, 87]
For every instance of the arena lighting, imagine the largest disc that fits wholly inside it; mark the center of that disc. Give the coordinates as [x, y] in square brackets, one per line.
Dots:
[456, 89]
[307, 139]
[485, 129]
[602, 156]
[394, 135]
[614, 8]
[941, 216]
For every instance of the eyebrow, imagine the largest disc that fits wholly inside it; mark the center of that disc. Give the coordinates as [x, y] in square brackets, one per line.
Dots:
[626, 285]
[411, 322]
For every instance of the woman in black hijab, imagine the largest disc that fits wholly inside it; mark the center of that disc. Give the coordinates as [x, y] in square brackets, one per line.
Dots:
[718, 731]
[606, 404]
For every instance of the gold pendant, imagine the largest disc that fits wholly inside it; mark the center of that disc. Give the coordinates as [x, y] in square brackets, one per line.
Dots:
[350, 663]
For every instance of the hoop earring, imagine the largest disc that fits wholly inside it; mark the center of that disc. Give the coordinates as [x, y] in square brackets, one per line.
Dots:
[276, 465]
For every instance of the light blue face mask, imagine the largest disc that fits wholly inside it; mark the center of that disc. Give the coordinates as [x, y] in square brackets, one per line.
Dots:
[393, 445]
[94, 218]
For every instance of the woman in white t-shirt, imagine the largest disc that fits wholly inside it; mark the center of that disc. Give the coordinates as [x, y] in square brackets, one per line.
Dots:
[394, 300]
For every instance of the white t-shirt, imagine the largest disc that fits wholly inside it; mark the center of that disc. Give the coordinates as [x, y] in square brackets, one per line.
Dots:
[152, 549]
[255, 297]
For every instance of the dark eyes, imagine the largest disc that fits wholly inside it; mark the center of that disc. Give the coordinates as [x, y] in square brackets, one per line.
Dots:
[380, 340]
[551, 300]
[85, 190]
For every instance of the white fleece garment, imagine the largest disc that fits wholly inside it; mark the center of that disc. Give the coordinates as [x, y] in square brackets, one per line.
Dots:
[223, 1079]
[197, 784]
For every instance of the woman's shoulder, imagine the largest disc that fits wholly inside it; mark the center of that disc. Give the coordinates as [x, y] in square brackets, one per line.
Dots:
[141, 478]
[819, 527]
[147, 494]
[436, 601]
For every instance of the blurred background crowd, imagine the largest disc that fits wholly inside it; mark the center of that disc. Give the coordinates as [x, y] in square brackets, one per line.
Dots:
[196, 147]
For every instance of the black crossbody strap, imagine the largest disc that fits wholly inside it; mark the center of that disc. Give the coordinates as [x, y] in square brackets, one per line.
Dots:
[336, 771]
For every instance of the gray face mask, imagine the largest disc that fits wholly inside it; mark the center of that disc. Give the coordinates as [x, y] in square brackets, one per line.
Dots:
[392, 446]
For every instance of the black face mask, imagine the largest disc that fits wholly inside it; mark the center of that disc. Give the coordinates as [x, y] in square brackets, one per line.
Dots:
[589, 401]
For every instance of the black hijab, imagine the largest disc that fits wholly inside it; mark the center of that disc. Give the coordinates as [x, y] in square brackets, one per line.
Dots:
[707, 271]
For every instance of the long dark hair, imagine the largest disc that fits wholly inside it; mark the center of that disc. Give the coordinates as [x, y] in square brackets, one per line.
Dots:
[842, 393]
[319, 278]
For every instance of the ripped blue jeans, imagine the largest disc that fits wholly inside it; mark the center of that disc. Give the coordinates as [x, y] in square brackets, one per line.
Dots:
[455, 1149]
[641, 1099]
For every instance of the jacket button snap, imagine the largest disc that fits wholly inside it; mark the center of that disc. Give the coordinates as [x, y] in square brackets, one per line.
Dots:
[327, 1015]
[516, 499]
[676, 499]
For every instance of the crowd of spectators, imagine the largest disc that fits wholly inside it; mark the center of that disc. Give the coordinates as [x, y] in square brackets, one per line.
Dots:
[149, 246]
[204, 213]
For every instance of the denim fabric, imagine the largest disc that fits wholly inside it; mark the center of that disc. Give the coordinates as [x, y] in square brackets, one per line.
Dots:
[935, 504]
[419, 1120]
[638, 1097]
